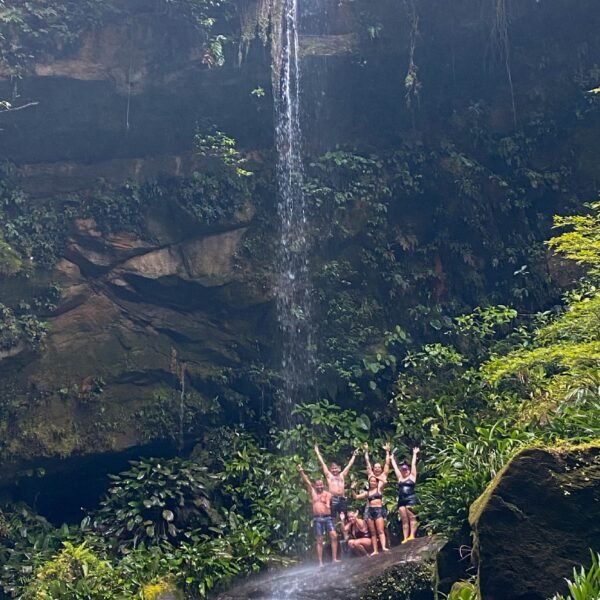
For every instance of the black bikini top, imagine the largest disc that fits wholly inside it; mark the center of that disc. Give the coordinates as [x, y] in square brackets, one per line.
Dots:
[376, 496]
[357, 530]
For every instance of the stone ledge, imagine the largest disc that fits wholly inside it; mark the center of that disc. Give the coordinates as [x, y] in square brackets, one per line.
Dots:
[345, 580]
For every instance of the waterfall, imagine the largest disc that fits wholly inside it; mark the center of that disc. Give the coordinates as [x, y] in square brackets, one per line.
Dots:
[293, 290]
[181, 407]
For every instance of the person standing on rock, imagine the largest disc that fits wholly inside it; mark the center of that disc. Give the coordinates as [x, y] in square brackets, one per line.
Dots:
[381, 473]
[407, 479]
[321, 509]
[336, 483]
[375, 511]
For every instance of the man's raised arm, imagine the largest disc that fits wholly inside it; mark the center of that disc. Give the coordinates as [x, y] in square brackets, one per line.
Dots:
[350, 462]
[326, 471]
[306, 480]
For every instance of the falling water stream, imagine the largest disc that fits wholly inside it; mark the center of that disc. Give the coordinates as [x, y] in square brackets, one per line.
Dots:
[293, 294]
[293, 290]
[181, 407]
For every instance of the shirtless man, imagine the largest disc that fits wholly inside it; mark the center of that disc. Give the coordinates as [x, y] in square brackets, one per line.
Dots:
[321, 508]
[336, 484]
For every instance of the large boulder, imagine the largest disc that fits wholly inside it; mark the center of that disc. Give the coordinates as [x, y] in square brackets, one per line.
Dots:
[536, 521]
[405, 573]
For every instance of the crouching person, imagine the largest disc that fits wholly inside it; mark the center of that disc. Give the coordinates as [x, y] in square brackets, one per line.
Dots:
[358, 535]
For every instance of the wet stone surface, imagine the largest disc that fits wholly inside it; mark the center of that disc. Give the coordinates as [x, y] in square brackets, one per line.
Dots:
[343, 581]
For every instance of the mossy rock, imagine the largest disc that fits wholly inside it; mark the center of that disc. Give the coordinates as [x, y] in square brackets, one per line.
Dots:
[405, 581]
[536, 521]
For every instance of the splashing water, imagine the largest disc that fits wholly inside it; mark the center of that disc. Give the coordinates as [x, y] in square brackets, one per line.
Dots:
[293, 290]
[343, 581]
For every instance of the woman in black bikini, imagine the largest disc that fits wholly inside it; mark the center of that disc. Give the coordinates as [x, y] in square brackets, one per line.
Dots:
[407, 479]
[358, 533]
[380, 472]
[375, 512]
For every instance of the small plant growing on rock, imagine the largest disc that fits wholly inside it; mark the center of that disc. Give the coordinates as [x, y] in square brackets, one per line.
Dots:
[221, 148]
[463, 590]
[585, 584]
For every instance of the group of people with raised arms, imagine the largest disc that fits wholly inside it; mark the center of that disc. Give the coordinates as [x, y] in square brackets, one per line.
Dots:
[365, 533]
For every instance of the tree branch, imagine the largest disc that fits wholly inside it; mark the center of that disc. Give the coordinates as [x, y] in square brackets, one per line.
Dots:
[16, 108]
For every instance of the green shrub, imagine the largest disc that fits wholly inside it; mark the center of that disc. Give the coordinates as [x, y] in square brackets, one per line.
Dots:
[155, 500]
[461, 464]
[27, 540]
[74, 573]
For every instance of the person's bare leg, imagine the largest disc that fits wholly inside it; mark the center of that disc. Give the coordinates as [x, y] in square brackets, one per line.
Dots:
[342, 523]
[380, 523]
[334, 545]
[405, 524]
[363, 546]
[412, 523]
[320, 549]
[373, 532]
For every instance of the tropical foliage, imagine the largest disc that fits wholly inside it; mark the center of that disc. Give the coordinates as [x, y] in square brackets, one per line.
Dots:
[392, 228]
[586, 582]
[493, 382]
[153, 501]
[156, 525]
[32, 30]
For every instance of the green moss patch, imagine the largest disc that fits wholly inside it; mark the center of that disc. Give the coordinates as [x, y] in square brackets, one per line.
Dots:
[405, 581]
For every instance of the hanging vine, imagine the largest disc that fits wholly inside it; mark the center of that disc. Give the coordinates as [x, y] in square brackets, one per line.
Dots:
[501, 45]
[412, 83]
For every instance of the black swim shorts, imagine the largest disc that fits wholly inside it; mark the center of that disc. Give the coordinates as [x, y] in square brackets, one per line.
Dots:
[376, 512]
[339, 504]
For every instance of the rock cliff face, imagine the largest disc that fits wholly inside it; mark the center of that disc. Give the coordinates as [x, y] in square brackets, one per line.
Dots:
[139, 318]
[151, 322]
[536, 522]
[168, 327]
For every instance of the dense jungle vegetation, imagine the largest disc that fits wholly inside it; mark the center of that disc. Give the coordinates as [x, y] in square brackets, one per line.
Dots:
[495, 380]
[487, 359]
